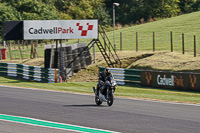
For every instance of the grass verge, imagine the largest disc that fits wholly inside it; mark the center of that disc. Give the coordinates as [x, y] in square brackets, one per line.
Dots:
[121, 91]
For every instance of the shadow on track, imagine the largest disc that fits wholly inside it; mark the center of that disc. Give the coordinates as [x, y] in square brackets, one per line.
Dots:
[84, 105]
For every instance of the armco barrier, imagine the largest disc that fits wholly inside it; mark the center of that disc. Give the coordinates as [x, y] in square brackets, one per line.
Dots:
[124, 76]
[45, 75]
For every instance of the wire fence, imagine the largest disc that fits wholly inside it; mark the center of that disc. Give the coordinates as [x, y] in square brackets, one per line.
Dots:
[23, 49]
[157, 41]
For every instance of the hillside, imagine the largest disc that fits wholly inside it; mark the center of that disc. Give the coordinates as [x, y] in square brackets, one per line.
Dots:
[188, 24]
[161, 59]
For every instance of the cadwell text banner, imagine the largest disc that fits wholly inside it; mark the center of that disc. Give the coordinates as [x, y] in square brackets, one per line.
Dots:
[173, 80]
[60, 29]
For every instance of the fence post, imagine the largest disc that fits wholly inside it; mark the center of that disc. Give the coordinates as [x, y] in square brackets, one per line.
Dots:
[9, 48]
[27, 42]
[171, 42]
[32, 51]
[23, 44]
[194, 46]
[94, 53]
[36, 52]
[20, 49]
[183, 43]
[153, 41]
[136, 41]
[120, 41]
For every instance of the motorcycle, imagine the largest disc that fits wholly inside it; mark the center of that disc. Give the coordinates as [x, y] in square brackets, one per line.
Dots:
[106, 92]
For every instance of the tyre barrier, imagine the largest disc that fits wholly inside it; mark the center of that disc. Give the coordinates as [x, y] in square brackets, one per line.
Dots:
[76, 62]
[70, 53]
[68, 56]
[82, 57]
[88, 58]
[62, 65]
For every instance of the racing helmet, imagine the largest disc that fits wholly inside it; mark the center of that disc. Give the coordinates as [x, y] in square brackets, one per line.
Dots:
[107, 71]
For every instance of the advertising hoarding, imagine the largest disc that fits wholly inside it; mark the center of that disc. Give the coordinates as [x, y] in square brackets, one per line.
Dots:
[171, 80]
[60, 29]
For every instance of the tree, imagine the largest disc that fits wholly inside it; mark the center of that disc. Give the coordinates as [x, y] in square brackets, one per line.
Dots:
[103, 17]
[131, 11]
[196, 6]
[186, 5]
[81, 10]
[162, 8]
[7, 13]
[33, 10]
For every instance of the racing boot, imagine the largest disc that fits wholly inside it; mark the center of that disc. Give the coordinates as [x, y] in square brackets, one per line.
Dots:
[98, 88]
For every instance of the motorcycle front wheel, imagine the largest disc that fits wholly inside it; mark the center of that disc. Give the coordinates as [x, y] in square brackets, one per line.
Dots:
[110, 99]
[97, 100]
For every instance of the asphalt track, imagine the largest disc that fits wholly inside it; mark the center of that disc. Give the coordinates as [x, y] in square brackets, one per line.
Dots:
[10, 127]
[126, 115]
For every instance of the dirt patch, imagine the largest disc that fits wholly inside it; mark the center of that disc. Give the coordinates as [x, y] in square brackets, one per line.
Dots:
[168, 61]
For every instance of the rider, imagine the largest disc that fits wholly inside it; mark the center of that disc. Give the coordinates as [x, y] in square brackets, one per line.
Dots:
[102, 78]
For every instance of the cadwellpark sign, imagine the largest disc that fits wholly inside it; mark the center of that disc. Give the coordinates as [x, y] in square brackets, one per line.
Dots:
[173, 80]
[60, 29]
[50, 29]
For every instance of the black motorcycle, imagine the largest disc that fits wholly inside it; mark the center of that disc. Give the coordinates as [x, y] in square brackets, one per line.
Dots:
[106, 93]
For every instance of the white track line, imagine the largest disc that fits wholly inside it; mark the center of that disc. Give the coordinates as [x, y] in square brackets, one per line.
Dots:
[53, 123]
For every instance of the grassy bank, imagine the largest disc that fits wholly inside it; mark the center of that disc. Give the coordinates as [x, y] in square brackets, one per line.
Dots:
[122, 91]
[188, 24]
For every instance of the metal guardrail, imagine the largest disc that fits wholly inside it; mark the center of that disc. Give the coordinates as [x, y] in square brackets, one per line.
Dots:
[125, 76]
[35, 73]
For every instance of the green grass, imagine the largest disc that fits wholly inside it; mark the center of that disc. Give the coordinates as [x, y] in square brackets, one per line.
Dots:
[122, 91]
[188, 24]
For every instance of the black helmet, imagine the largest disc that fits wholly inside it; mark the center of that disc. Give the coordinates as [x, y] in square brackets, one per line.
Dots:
[107, 71]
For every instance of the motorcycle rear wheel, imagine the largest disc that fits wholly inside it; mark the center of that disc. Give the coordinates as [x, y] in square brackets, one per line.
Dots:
[97, 100]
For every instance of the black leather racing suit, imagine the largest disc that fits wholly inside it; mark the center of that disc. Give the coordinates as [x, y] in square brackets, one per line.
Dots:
[102, 79]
